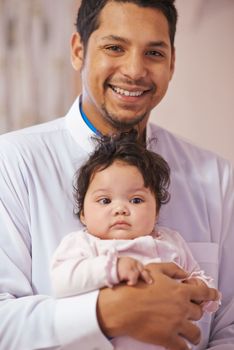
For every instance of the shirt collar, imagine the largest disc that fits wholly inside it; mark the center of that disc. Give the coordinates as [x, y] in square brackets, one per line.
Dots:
[78, 129]
[86, 120]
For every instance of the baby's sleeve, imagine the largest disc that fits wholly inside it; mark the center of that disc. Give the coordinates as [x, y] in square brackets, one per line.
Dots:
[77, 268]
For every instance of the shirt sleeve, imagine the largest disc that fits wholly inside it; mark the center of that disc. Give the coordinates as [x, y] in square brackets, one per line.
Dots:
[222, 332]
[30, 320]
[77, 268]
[222, 327]
[49, 323]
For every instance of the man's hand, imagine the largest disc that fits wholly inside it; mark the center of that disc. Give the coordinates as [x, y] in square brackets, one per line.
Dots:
[160, 313]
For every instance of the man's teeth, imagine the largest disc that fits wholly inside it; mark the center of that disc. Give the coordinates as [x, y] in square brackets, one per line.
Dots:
[126, 92]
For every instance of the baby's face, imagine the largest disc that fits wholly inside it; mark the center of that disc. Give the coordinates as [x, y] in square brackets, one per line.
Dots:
[117, 205]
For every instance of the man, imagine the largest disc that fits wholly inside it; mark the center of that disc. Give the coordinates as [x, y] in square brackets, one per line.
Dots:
[124, 51]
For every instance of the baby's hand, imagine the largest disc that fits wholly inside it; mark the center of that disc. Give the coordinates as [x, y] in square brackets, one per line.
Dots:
[131, 270]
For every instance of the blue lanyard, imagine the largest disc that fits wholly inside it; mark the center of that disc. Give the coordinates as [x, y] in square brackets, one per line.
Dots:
[87, 121]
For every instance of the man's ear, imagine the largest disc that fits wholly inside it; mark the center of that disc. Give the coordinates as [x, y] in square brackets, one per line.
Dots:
[77, 52]
[172, 67]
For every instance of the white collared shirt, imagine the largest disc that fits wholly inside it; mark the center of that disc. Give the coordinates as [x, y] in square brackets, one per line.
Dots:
[37, 166]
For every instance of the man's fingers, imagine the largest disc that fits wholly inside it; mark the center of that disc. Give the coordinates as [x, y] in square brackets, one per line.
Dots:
[195, 312]
[203, 293]
[212, 294]
[191, 331]
[179, 344]
[187, 335]
[169, 269]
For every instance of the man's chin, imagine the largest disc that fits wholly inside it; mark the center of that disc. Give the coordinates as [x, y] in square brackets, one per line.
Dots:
[123, 121]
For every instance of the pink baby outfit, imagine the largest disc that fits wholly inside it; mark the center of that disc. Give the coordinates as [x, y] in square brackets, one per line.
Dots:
[83, 262]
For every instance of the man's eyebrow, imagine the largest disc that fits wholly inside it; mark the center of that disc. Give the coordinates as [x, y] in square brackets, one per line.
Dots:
[115, 38]
[159, 43]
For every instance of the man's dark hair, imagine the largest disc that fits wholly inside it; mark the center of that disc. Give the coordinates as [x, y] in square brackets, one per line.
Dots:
[89, 13]
[125, 147]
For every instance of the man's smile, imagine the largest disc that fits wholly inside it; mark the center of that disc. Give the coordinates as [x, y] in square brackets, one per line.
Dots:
[126, 92]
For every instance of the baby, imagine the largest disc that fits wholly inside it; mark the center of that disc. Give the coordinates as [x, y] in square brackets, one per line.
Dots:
[119, 192]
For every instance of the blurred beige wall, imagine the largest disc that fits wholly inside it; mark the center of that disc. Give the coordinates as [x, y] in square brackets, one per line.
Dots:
[200, 102]
[37, 82]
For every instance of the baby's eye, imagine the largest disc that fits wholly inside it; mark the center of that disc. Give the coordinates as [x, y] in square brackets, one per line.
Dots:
[136, 200]
[104, 201]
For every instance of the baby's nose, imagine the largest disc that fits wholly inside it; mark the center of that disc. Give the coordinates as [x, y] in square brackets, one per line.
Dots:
[121, 210]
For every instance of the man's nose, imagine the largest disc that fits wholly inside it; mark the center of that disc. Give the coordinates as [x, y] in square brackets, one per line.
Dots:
[134, 66]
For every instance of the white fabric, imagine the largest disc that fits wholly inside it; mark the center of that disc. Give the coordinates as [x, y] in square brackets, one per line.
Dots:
[83, 262]
[36, 211]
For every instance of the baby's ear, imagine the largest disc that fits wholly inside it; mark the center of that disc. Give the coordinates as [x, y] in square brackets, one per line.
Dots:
[82, 218]
[156, 216]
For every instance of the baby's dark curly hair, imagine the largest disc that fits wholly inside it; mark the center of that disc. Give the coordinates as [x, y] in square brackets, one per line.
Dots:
[125, 147]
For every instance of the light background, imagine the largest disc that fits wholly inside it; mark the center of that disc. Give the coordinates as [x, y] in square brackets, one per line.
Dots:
[37, 82]
[200, 101]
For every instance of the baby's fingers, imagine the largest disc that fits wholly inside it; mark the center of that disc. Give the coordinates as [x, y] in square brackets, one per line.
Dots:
[145, 275]
[133, 276]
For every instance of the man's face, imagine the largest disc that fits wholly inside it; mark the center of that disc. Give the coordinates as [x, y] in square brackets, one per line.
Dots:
[126, 68]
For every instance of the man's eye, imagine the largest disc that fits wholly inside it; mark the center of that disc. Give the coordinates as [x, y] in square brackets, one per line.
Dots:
[114, 48]
[154, 53]
[104, 201]
[136, 200]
